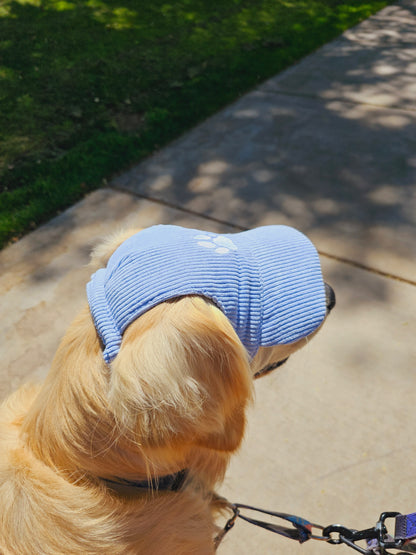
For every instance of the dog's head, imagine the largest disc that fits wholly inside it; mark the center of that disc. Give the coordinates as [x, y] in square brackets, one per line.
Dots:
[272, 292]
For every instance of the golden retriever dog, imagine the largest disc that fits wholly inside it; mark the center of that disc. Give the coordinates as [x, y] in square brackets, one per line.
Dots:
[122, 456]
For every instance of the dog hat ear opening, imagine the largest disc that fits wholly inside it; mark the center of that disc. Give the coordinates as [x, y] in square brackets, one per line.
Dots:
[182, 375]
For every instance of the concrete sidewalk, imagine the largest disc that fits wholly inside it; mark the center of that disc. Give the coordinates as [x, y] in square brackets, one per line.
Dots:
[328, 146]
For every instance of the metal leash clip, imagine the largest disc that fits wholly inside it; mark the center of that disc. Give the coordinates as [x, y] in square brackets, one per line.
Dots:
[378, 539]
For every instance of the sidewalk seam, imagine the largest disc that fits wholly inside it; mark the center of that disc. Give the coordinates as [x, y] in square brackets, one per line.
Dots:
[324, 254]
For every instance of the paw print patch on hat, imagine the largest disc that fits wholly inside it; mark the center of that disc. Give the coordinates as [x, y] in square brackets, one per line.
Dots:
[220, 244]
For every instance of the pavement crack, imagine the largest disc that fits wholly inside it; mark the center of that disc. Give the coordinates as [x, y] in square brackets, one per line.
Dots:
[367, 268]
[368, 460]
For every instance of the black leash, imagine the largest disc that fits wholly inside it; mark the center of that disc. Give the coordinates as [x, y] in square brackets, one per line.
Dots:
[378, 540]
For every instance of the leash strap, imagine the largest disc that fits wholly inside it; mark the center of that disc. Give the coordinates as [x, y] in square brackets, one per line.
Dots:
[405, 527]
[301, 531]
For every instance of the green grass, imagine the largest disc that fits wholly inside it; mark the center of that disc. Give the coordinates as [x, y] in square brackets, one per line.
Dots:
[88, 87]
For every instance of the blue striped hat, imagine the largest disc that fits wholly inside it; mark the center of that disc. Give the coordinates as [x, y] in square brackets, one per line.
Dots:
[267, 281]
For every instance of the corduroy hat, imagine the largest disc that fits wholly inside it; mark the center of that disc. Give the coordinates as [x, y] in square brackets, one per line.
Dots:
[267, 281]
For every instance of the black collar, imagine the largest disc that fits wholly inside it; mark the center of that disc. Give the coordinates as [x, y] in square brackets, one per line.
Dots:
[170, 482]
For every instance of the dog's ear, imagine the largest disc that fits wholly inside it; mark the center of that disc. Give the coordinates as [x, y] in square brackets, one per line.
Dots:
[182, 376]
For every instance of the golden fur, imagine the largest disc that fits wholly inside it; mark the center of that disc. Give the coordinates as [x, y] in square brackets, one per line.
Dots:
[175, 397]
